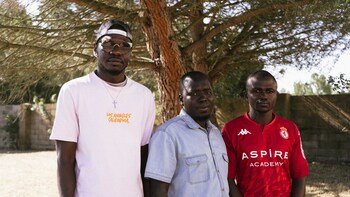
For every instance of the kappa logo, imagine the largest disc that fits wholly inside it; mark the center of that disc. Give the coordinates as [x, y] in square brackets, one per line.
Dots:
[284, 133]
[244, 132]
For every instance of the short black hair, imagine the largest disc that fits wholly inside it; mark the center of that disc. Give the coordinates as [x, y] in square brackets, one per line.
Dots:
[261, 74]
[194, 75]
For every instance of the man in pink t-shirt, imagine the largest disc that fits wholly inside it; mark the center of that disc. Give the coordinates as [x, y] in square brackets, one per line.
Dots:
[265, 153]
[103, 123]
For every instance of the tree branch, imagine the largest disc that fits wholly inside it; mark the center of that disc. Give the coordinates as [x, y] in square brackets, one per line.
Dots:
[105, 9]
[48, 50]
[247, 16]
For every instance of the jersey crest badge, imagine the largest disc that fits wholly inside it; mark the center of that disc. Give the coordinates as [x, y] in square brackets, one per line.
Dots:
[284, 133]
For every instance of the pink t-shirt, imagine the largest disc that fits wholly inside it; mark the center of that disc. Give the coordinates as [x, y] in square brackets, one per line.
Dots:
[264, 158]
[108, 138]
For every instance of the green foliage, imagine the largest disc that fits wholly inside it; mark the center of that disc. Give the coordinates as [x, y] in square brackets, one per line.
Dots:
[321, 84]
[12, 128]
[233, 85]
[36, 56]
[318, 86]
[39, 106]
[44, 88]
[340, 83]
[303, 89]
[145, 77]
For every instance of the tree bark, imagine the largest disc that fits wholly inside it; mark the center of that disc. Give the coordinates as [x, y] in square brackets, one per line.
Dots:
[165, 53]
[197, 29]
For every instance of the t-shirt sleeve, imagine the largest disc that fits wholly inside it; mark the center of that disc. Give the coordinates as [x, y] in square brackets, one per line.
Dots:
[299, 165]
[65, 125]
[150, 114]
[231, 153]
[161, 148]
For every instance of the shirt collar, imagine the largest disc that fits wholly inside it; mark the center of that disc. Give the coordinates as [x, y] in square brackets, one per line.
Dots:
[191, 123]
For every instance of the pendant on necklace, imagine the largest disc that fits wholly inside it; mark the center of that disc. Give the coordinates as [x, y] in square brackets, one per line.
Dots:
[114, 103]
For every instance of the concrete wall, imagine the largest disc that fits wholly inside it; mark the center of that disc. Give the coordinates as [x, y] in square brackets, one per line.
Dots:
[323, 121]
[40, 127]
[33, 127]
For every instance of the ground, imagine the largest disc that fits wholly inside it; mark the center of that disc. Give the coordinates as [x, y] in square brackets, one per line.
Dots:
[33, 174]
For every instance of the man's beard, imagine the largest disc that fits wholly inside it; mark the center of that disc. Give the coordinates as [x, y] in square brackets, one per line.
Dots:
[201, 118]
[113, 72]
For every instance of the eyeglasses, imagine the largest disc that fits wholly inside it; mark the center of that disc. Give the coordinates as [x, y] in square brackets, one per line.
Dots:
[123, 47]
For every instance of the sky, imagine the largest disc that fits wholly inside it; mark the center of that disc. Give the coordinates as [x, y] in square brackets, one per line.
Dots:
[327, 68]
[31, 6]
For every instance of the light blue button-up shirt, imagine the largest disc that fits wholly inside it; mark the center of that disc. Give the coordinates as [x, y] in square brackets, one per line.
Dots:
[192, 159]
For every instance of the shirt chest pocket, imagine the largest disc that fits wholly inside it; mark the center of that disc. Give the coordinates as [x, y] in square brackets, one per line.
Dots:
[197, 168]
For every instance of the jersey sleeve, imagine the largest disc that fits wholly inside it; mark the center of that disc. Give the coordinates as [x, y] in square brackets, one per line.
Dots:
[298, 165]
[65, 127]
[161, 148]
[231, 153]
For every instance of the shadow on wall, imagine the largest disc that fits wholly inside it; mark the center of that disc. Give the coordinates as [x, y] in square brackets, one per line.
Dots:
[328, 110]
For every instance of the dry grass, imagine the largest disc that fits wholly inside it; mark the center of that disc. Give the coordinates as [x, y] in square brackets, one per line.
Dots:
[328, 180]
[33, 174]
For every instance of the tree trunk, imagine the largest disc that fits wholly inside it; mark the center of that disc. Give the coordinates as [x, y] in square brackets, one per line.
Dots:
[165, 53]
[200, 54]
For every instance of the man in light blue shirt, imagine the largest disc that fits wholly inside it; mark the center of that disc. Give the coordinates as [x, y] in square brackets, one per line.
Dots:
[187, 155]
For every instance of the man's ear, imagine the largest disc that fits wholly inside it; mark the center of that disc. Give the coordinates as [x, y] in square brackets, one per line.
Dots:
[181, 99]
[94, 52]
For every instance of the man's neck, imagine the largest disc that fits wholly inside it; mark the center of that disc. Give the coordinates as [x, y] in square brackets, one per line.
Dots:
[110, 78]
[261, 118]
[203, 124]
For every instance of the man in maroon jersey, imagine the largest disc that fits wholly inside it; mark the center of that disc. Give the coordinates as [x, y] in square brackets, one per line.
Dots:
[266, 157]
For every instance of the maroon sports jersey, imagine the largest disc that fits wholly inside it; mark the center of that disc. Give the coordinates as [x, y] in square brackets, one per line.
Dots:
[264, 158]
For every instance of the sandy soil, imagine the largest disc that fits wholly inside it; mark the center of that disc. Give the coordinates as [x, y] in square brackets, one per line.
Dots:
[33, 174]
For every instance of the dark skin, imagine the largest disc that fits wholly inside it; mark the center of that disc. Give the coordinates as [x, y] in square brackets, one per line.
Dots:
[66, 168]
[145, 182]
[261, 95]
[234, 190]
[158, 188]
[198, 102]
[110, 68]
